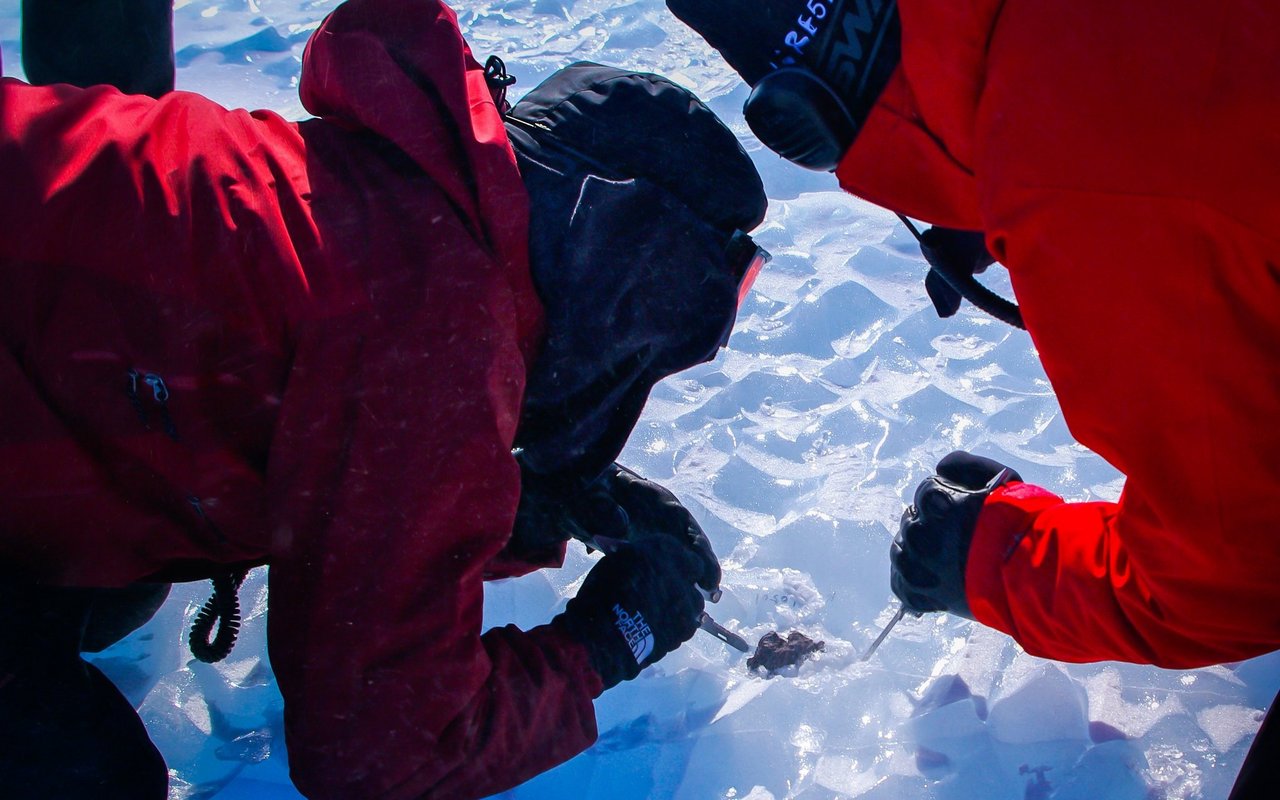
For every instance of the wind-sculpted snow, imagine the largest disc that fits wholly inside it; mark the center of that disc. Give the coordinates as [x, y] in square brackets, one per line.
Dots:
[795, 450]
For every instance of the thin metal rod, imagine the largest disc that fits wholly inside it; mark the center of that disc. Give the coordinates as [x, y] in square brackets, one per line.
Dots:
[902, 612]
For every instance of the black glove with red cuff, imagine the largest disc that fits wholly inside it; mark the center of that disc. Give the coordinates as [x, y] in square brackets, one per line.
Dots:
[637, 604]
[928, 556]
[816, 66]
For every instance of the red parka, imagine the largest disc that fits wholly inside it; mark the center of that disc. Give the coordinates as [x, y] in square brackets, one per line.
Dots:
[1124, 162]
[228, 338]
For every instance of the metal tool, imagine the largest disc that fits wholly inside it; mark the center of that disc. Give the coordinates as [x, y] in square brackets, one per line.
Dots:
[902, 612]
[706, 623]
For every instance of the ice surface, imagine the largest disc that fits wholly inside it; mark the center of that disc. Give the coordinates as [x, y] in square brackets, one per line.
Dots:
[794, 449]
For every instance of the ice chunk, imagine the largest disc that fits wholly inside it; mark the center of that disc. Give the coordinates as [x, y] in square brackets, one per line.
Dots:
[1047, 706]
[1228, 724]
[946, 726]
[1113, 770]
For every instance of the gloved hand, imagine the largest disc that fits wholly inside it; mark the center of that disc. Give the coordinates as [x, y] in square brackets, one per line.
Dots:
[619, 506]
[648, 510]
[928, 556]
[816, 66]
[637, 604]
[951, 252]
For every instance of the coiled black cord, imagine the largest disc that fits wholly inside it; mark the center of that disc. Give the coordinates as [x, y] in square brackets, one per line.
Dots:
[498, 79]
[223, 607]
[962, 281]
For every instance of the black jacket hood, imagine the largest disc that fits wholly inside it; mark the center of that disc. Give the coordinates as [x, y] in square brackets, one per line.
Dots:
[636, 188]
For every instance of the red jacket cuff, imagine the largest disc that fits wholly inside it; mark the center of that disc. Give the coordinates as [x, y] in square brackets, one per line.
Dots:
[508, 564]
[574, 655]
[1007, 517]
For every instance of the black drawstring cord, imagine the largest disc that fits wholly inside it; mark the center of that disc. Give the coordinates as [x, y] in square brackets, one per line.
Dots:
[223, 605]
[160, 392]
[496, 75]
[969, 288]
[134, 400]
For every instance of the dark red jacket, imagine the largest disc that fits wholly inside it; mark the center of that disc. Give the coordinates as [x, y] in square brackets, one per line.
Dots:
[1123, 160]
[232, 338]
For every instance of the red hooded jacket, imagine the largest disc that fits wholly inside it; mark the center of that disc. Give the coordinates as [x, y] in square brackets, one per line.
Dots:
[228, 338]
[1123, 160]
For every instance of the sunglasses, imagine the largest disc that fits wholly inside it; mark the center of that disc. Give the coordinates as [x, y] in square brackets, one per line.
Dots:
[746, 259]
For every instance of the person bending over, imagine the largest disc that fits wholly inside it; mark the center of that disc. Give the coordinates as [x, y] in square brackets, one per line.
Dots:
[1137, 219]
[390, 352]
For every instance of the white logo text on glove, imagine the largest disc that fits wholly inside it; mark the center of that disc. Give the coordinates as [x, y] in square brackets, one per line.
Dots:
[636, 631]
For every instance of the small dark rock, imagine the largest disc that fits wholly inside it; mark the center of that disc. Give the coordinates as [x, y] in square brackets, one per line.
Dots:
[773, 653]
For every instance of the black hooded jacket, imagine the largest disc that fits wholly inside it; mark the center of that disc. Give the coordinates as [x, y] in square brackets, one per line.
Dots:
[636, 190]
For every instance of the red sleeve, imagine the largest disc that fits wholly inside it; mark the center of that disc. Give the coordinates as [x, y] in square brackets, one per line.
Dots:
[159, 192]
[898, 163]
[390, 475]
[1156, 322]
[395, 487]
[391, 472]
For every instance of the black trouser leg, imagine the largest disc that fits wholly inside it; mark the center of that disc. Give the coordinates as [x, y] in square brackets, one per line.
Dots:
[1259, 777]
[125, 43]
[65, 730]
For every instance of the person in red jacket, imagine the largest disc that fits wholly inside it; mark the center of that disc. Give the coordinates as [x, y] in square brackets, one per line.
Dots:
[1120, 161]
[391, 352]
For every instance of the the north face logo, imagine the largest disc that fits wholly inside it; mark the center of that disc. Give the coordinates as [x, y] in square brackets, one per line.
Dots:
[636, 631]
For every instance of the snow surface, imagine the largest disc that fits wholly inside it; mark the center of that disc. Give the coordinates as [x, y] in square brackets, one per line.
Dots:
[795, 450]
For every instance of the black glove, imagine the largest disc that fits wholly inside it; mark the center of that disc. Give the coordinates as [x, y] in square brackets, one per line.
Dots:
[637, 604]
[817, 66]
[648, 510]
[928, 556]
[951, 252]
[619, 506]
